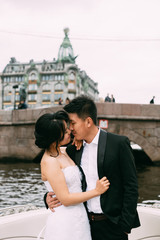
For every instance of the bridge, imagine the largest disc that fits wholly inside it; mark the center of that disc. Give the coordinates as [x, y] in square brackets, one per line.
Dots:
[140, 123]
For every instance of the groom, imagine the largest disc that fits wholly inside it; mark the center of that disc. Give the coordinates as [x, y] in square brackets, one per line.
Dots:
[113, 214]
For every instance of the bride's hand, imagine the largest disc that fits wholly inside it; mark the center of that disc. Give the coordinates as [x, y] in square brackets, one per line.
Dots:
[77, 143]
[102, 185]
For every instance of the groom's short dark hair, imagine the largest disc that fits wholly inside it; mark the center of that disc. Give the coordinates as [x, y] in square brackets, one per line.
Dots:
[83, 106]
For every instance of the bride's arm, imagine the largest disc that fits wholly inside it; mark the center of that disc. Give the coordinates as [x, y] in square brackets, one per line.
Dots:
[57, 181]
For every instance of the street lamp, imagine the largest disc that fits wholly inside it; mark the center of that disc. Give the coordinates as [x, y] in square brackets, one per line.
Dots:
[15, 86]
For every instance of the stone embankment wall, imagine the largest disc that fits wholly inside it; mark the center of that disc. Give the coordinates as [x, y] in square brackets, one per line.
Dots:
[17, 133]
[141, 123]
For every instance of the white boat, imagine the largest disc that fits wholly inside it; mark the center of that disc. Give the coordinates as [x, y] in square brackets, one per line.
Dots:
[29, 224]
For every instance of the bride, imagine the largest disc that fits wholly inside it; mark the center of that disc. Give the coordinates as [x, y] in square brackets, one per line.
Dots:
[61, 175]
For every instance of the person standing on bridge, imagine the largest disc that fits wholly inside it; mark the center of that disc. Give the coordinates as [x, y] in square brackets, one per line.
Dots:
[112, 98]
[113, 214]
[107, 98]
[152, 100]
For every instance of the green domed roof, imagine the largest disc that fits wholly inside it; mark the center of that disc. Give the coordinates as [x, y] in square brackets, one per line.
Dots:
[65, 53]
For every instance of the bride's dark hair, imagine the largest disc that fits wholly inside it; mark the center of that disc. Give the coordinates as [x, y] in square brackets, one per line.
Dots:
[50, 128]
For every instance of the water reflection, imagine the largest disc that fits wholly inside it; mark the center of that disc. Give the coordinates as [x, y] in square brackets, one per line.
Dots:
[21, 184]
[149, 182]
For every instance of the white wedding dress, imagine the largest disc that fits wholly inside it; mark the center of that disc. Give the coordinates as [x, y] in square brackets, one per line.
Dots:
[71, 222]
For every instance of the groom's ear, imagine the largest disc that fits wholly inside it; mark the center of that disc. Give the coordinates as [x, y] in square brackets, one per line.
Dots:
[89, 122]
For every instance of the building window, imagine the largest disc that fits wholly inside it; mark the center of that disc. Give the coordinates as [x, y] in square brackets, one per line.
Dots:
[71, 85]
[58, 87]
[32, 87]
[17, 97]
[32, 97]
[71, 76]
[33, 76]
[12, 79]
[46, 97]
[7, 98]
[20, 79]
[7, 93]
[16, 68]
[47, 77]
[46, 87]
[7, 79]
[59, 77]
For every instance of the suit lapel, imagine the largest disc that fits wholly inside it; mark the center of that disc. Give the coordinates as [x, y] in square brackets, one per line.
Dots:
[78, 156]
[101, 152]
[78, 162]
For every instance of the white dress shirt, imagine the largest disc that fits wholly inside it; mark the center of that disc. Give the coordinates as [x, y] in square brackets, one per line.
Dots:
[89, 166]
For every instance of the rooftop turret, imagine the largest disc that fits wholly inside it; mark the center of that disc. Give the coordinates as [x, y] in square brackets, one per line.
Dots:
[65, 53]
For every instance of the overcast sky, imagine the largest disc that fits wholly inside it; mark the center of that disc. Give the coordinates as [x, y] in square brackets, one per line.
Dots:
[117, 41]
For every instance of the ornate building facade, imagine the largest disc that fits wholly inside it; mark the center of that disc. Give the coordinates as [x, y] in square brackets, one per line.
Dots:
[44, 83]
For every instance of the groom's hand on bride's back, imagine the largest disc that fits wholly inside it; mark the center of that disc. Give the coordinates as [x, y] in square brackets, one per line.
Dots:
[52, 201]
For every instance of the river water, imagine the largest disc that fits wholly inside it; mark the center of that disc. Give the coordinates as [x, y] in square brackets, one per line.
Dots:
[21, 183]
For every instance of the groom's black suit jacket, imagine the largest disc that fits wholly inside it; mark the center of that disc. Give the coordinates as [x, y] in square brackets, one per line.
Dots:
[116, 162]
